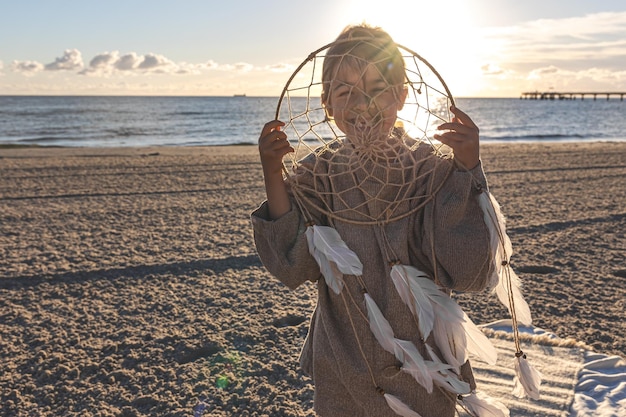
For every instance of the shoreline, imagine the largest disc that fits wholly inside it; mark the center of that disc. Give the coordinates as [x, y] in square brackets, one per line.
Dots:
[484, 142]
[130, 283]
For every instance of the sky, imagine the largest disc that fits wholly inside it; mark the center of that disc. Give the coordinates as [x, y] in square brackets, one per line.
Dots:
[481, 48]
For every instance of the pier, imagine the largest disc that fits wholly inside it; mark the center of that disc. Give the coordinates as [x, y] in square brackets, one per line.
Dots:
[555, 95]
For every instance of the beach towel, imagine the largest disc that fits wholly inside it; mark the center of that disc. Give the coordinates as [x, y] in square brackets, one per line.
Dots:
[577, 382]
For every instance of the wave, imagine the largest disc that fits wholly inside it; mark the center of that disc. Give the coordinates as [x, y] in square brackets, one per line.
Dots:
[48, 139]
[188, 113]
[125, 132]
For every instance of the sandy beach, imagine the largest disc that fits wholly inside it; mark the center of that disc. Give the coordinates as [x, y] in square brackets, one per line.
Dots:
[130, 285]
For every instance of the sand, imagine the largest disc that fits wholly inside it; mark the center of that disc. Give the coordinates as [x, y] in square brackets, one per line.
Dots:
[130, 286]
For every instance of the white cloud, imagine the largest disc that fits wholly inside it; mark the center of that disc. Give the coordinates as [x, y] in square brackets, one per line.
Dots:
[243, 67]
[493, 70]
[578, 53]
[127, 62]
[71, 60]
[281, 67]
[158, 63]
[211, 65]
[560, 78]
[597, 37]
[26, 67]
[108, 63]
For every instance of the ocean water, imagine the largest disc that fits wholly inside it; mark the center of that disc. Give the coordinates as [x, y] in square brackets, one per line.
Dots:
[191, 121]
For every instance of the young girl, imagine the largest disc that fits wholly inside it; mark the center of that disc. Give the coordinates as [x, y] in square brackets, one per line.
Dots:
[444, 234]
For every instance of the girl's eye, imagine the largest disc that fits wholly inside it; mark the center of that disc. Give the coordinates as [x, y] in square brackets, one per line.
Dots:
[378, 90]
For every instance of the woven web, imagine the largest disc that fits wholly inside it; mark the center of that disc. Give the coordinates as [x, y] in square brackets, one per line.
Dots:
[357, 157]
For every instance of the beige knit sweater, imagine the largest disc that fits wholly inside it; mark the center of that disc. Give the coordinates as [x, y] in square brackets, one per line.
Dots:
[340, 352]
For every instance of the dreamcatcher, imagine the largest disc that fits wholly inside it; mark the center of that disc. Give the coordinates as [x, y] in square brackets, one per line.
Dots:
[374, 166]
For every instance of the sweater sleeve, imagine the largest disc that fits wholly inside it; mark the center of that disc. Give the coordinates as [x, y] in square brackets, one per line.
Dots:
[456, 239]
[282, 246]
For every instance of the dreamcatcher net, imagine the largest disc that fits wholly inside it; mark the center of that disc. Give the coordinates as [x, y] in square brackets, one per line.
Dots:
[372, 135]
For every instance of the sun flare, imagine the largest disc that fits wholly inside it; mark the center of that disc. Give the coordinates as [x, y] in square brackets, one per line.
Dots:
[444, 34]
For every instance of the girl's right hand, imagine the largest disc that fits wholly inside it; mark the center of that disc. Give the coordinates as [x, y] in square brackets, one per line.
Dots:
[273, 145]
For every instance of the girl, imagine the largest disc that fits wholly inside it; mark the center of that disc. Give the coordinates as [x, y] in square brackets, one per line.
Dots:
[443, 233]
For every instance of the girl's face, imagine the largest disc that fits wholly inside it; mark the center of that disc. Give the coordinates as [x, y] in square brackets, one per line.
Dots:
[363, 103]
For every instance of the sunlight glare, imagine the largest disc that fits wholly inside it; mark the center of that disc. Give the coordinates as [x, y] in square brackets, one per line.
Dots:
[443, 33]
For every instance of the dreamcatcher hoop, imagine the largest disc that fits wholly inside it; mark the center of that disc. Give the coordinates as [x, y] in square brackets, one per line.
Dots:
[427, 105]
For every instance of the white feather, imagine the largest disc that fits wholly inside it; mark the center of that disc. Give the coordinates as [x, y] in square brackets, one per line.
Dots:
[502, 250]
[445, 375]
[502, 290]
[494, 219]
[479, 344]
[405, 279]
[399, 407]
[462, 335]
[380, 326]
[527, 379]
[450, 339]
[329, 270]
[327, 240]
[413, 363]
[481, 405]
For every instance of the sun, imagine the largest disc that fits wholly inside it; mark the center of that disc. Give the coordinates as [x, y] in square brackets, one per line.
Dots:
[443, 33]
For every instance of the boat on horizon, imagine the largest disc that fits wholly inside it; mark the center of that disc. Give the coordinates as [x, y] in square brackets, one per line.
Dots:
[239, 95]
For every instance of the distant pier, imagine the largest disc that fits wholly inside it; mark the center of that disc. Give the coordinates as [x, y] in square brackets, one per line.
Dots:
[555, 95]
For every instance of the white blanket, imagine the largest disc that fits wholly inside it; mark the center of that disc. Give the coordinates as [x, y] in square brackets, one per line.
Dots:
[576, 381]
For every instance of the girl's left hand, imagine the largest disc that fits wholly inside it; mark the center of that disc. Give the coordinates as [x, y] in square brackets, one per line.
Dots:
[462, 137]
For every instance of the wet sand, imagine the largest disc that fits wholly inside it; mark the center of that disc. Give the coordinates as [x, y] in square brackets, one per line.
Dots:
[130, 286]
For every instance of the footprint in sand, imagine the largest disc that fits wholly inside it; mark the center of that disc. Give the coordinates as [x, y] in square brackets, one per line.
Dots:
[538, 269]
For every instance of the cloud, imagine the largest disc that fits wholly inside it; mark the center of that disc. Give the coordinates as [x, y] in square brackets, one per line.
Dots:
[127, 62]
[71, 60]
[281, 67]
[211, 64]
[243, 67]
[493, 70]
[104, 60]
[26, 67]
[158, 63]
[107, 63]
[594, 39]
[565, 79]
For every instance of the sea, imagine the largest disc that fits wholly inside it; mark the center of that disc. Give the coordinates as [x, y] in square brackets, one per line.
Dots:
[104, 121]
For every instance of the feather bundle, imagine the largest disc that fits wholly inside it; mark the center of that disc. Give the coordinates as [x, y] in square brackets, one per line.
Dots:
[454, 332]
[423, 371]
[446, 377]
[332, 255]
[481, 405]
[404, 350]
[527, 379]
[399, 407]
[413, 363]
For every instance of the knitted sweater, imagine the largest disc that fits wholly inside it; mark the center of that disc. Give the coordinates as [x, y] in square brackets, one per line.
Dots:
[446, 238]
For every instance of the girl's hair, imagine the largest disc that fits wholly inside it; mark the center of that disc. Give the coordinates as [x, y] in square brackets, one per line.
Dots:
[362, 45]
